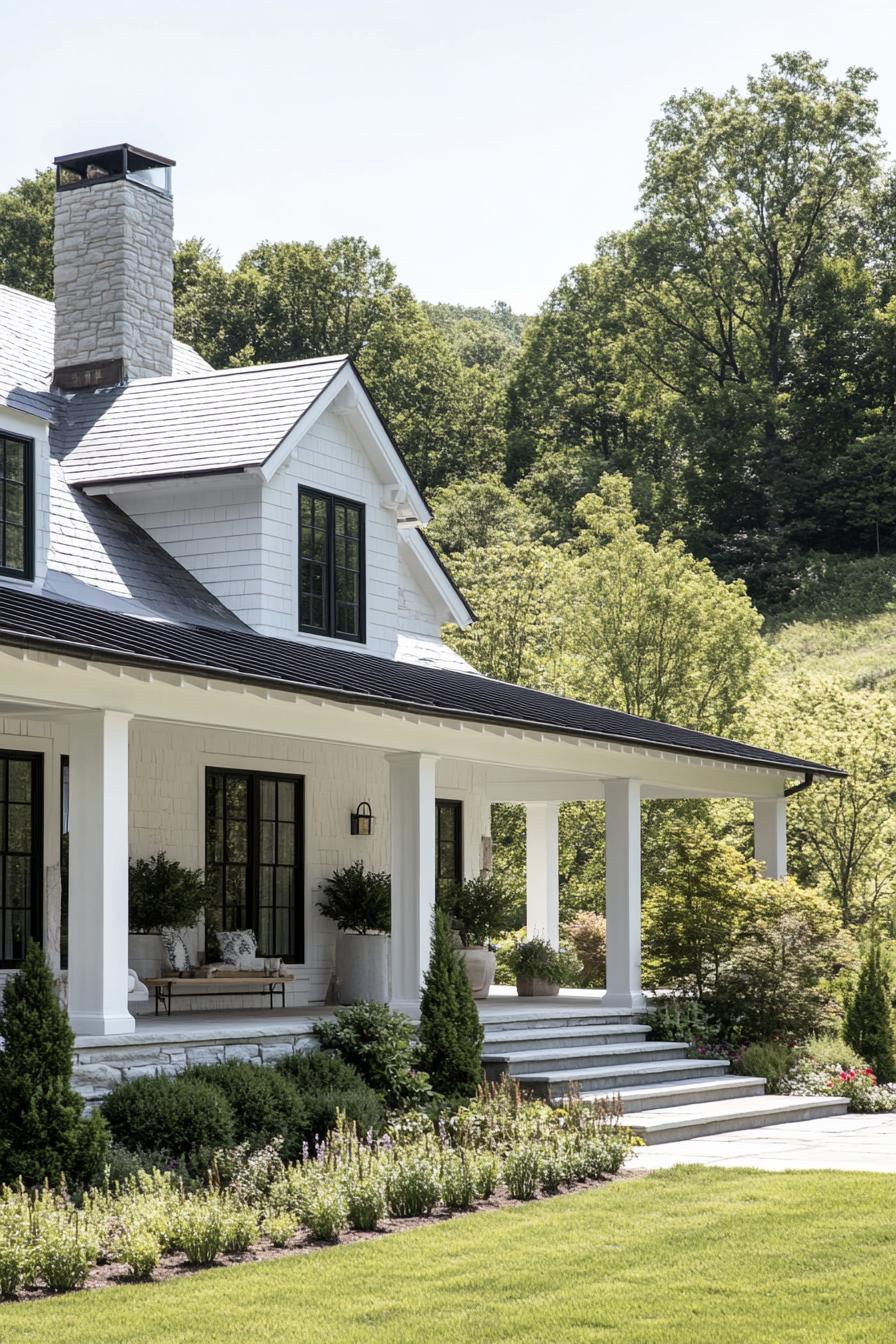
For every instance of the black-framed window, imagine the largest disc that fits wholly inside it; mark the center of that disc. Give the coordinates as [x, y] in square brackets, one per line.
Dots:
[16, 506]
[449, 844]
[21, 853]
[254, 857]
[331, 566]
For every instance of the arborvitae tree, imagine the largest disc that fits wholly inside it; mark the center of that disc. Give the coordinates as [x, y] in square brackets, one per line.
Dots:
[43, 1131]
[450, 1030]
[868, 1026]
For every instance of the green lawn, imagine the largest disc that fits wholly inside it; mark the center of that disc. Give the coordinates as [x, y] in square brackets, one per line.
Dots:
[692, 1255]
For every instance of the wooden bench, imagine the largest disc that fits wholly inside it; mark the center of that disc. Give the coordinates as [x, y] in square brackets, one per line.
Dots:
[270, 985]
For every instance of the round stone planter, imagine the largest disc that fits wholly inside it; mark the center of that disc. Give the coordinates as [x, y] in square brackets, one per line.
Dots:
[528, 987]
[480, 965]
[145, 954]
[362, 967]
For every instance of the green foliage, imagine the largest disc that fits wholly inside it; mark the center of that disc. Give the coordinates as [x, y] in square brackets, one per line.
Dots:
[537, 959]
[280, 1228]
[412, 1185]
[358, 900]
[830, 1051]
[199, 1230]
[522, 1170]
[62, 1259]
[263, 1103]
[379, 1044]
[770, 1060]
[163, 893]
[184, 1117]
[479, 909]
[586, 934]
[868, 1024]
[450, 1031]
[324, 1212]
[679, 1019]
[365, 1202]
[43, 1132]
[140, 1250]
[328, 1087]
[26, 235]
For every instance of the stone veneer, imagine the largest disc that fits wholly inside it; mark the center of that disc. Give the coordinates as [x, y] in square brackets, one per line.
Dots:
[113, 276]
[100, 1064]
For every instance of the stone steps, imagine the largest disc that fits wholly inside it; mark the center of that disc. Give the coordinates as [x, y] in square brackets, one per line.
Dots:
[575, 1060]
[557, 1084]
[606, 1033]
[669, 1125]
[687, 1092]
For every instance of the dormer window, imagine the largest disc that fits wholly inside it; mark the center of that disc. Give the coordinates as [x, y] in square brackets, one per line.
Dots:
[331, 566]
[16, 507]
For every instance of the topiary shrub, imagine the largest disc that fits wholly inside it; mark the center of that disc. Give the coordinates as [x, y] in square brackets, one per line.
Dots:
[359, 901]
[450, 1031]
[868, 1024]
[328, 1085]
[263, 1103]
[380, 1045]
[163, 892]
[478, 910]
[184, 1117]
[43, 1131]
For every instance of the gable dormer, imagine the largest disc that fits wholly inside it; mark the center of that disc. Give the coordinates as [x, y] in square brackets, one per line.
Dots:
[280, 489]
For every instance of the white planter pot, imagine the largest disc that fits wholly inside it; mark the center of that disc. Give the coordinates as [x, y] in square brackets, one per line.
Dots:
[480, 965]
[145, 954]
[363, 967]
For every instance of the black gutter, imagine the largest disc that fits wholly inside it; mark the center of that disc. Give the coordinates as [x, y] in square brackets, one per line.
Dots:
[426, 709]
[806, 783]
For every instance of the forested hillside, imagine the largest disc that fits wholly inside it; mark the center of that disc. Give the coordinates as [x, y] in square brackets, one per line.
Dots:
[699, 424]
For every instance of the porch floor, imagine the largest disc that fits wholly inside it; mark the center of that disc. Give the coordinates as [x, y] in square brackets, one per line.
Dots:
[238, 1024]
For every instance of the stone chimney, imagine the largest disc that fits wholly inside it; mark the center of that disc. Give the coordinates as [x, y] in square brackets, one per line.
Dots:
[113, 269]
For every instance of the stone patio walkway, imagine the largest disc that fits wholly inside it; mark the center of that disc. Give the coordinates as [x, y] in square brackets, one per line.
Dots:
[838, 1143]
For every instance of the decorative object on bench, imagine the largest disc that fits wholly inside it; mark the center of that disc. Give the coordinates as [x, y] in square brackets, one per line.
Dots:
[176, 950]
[360, 904]
[137, 991]
[238, 947]
[269, 985]
[162, 893]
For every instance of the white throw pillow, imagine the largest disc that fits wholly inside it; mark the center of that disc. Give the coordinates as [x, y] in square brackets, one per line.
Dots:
[235, 945]
[176, 950]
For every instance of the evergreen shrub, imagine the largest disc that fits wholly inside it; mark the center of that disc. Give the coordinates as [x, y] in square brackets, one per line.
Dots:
[450, 1031]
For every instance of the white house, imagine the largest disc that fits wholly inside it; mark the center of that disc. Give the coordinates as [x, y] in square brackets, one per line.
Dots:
[220, 632]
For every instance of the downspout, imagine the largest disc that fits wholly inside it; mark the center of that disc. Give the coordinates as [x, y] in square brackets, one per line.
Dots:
[804, 784]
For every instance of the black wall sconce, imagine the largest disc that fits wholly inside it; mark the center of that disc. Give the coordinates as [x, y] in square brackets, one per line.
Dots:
[362, 820]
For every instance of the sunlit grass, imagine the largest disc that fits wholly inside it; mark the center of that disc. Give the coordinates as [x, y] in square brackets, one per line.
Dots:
[686, 1256]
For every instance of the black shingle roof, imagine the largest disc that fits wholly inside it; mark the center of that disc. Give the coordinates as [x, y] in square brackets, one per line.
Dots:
[40, 622]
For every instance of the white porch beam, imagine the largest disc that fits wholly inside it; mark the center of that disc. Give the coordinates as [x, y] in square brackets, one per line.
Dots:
[623, 869]
[412, 807]
[98, 875]
[543, 871]
[770, 835]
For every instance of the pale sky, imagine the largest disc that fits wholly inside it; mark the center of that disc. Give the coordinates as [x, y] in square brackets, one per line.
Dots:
[484, 146]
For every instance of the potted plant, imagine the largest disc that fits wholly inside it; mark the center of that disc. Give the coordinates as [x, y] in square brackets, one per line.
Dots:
[480, 909]
[162, 893]
[360, 903]
[540, 968]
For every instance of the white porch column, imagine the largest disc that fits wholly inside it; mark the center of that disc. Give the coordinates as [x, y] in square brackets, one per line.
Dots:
[623, 868]
[412, 811]
[770, 835]
[98, 875]
[543, 871]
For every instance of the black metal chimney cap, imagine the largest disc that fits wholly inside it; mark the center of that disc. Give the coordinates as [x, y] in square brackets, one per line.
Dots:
[113, 162]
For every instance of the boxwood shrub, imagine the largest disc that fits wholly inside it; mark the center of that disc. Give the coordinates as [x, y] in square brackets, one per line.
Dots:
[264, 1104]
[327, 1084]
[184, 1117]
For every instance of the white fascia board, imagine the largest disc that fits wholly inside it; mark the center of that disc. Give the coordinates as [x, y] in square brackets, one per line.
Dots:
[14, 419]
[426, 568]
[360, 411]
[161, 485]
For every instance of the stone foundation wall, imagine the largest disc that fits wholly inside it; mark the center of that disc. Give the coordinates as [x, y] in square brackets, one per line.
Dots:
[98, 1068]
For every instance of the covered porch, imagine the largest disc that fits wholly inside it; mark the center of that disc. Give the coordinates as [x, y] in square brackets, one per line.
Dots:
[137, 745]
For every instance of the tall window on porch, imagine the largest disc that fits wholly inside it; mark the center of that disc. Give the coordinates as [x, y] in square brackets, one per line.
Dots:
[253, 857]
[16, 507]
[21, 862]
[331, 566]
[449, 844]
